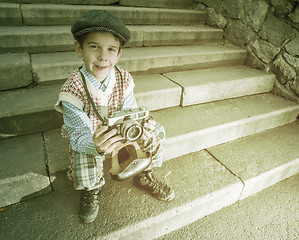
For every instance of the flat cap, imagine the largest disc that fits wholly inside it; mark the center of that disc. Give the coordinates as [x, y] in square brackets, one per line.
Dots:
[101, 21]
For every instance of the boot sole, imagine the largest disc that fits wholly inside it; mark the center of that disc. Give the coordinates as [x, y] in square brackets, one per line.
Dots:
[89, 218]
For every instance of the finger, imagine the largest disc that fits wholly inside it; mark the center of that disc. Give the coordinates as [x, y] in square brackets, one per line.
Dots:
[149, 126]
[152, 122]
[100, 131]
[146, 135]
[111, 141]
[108, 146]
[143, 137]
[114, 146]
[100, 139]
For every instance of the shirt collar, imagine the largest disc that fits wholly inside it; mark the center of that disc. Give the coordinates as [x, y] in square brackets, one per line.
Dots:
[100, 85]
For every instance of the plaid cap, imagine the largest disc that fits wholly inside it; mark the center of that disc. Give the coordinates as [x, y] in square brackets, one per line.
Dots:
[101, 20]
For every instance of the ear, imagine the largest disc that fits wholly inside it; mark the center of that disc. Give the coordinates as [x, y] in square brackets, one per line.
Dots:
[78, 49]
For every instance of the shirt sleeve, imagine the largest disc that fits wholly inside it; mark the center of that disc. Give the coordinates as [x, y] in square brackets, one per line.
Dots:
[129, 102]
[79, 128]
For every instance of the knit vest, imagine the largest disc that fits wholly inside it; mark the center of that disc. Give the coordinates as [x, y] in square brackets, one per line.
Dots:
[119, 87]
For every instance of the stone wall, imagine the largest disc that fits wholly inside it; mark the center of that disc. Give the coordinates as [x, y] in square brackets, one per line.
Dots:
[268, 29]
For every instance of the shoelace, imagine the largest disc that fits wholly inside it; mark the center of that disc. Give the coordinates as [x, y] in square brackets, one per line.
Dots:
[90, 197]
[156, 184]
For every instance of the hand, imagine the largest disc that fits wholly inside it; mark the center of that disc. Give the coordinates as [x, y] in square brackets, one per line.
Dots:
[148, 126]
[106, 142]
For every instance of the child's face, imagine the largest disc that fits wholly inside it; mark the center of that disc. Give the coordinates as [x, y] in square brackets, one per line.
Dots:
[100, 52]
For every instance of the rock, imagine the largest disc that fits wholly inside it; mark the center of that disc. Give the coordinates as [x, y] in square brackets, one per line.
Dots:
[292, 61]
[215, 19]
[295, 85]
[253, 61]
[255, 13]
[282, 8]
[283, 71]
[294, 16]
[233, 8]
[264, 50]
[285, 92]
[275, 31]
[238, 33]
[216, 4]
[293, 46]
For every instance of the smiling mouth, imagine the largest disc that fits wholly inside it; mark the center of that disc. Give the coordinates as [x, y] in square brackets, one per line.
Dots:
[101, 67]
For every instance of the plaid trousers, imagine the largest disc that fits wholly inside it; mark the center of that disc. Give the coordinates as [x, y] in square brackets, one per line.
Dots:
[87, 171]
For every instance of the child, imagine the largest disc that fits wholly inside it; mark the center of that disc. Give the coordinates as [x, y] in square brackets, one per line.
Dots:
[100, 37]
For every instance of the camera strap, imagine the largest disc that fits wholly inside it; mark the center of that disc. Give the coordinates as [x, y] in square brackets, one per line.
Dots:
[88, 94]
[89, 97]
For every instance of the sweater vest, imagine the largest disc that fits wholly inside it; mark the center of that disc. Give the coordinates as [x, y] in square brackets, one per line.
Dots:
[120, 85]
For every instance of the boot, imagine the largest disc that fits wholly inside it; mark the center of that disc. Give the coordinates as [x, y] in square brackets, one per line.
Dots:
[88, 205]
[147, 182]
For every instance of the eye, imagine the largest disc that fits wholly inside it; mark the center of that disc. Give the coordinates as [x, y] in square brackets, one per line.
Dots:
[95, 47]
[112, 49]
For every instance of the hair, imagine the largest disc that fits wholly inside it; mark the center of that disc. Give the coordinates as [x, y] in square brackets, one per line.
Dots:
[82, 38]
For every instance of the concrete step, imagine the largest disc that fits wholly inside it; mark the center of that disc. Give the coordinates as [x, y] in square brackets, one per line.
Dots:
[190, 129]
[158, 3]
[31, 110]
[59, 14]
[40, 39]
[75, 2]
[10, 14]
[207, 85]
[138, 3]
[26, 111]
[10, 78]
[14, 14]
[197, 127]
[269, 214]
[128, 213]
[23, 174]
[48, 67]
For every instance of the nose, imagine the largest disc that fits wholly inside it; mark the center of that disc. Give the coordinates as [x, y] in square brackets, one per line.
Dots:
[102, 55]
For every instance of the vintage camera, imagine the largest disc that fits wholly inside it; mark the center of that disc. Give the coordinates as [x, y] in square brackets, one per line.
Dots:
[127, 122]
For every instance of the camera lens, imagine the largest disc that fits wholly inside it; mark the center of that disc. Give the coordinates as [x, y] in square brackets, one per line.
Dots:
[131, 130]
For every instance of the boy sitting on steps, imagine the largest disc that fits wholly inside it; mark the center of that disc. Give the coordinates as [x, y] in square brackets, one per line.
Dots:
[100, 37]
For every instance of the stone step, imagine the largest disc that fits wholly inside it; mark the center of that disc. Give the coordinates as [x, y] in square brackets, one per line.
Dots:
[193, 128]
[10, 14]
[207, 85]
[9, 77]
[136, 3]
[31, 110]
[40, 39]
[75, 2]
[26, 111]
[158, 3]
[49, 67]
[23, 174]
[59, 14]
[197, 127]
[252, 217]
[218, 178]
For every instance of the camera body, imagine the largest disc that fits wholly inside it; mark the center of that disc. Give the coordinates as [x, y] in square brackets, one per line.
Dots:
[127, 122]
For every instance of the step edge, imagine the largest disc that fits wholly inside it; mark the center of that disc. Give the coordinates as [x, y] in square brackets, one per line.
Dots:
[276, 174]
[237, 122]
[178, 212]
[187, 209]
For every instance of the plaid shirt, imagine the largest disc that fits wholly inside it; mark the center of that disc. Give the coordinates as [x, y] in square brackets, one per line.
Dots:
[79, 125]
